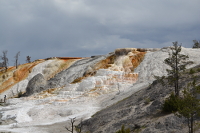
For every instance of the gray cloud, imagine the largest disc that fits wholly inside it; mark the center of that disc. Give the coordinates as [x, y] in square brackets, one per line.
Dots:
[86, 27]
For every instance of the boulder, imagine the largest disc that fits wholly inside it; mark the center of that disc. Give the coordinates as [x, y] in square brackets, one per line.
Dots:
[35, 85]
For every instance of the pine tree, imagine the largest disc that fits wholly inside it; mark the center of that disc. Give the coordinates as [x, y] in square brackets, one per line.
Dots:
[177, 63]
[196, 44]
[189, 104]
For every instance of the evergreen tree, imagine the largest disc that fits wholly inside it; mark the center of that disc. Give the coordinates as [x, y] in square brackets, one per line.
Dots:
[171, 104]
[196, 44]
[177, 63]
[189, 104]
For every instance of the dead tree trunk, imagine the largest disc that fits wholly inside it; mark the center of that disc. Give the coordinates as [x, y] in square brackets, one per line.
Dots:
[72, 125]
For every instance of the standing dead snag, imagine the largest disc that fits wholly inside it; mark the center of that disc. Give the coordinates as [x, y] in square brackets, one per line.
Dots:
[16, 59]
[72, 125]
[28, 59]
[77, 128]
[5, 60]
[4, 99]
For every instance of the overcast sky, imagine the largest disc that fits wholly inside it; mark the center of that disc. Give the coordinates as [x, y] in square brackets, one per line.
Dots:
[81, 28]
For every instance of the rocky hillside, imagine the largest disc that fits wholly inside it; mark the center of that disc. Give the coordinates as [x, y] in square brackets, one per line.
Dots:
[54, 90]
[142, 111]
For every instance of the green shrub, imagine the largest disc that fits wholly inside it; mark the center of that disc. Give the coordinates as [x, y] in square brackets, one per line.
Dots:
[123, 130]
[192, 71]
[19, 94]
[147, 101]
[198, 69]
[171, 104]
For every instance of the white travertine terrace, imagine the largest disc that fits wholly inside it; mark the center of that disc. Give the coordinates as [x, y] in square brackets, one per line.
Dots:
[92, 94]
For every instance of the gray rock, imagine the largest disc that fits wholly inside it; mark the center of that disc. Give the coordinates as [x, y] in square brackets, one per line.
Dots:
[35, 85]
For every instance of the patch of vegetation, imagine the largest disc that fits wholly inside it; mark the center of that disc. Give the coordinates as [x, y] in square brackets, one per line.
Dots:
[192, 71]
[196, 44]
[20, 94]
[177, 63]
[196, 126]
[138, 128]
[189, 104]
[171, 104]
[123, 130]
[147, 101]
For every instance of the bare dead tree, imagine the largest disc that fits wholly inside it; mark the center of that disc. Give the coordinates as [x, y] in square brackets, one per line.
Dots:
[28, 59]
[16, 59]
[5, 59]
[78, 128]
[72, 125]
